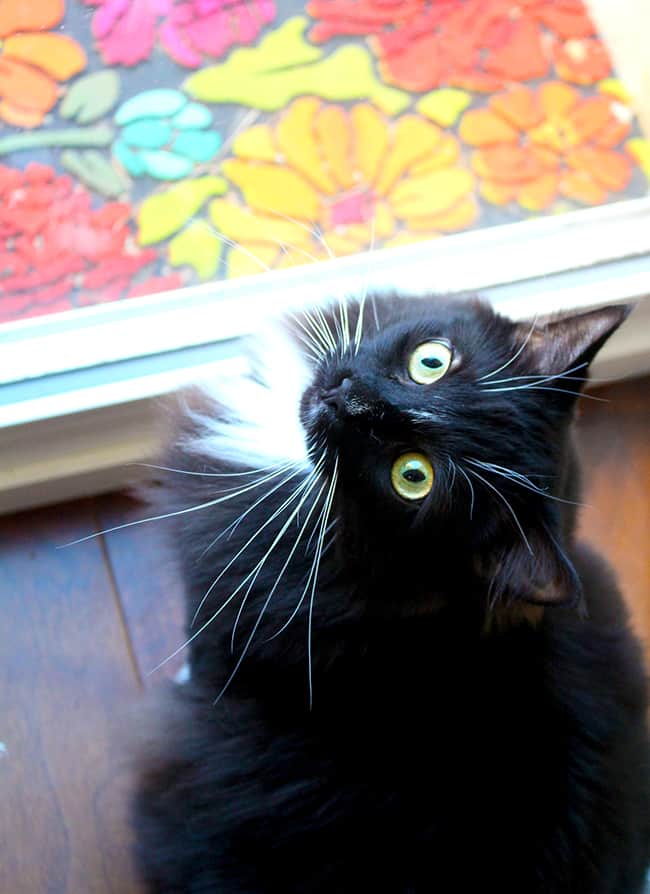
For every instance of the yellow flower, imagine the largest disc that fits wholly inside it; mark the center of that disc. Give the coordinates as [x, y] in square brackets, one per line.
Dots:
[325, 180]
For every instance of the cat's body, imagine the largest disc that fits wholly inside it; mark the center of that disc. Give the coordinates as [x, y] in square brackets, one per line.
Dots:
[475, 719]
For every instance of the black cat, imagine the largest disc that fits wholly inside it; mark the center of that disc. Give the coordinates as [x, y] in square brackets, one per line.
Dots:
[406, 675]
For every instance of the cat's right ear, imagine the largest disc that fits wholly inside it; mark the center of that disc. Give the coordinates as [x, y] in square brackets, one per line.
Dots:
[534, 569]
[563, 343]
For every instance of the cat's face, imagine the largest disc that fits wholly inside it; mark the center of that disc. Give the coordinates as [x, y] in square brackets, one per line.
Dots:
[441, 419]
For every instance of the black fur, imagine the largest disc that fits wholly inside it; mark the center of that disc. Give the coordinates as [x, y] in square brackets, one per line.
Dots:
[478, 715]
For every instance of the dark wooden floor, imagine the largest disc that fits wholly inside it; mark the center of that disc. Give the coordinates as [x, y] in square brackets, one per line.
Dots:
[81, 628]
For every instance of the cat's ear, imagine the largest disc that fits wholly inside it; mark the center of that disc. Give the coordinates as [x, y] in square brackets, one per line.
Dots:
[567, 342]
[536, 571]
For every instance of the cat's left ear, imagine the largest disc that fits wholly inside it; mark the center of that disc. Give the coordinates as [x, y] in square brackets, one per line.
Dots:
[565, 343]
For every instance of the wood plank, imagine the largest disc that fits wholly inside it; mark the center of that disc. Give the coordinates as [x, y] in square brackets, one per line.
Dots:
[66, 679]
[614, 441]
[149, 585]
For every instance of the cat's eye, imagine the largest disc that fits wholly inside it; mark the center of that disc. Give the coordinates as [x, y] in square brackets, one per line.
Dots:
[429, 362]
[412, 476]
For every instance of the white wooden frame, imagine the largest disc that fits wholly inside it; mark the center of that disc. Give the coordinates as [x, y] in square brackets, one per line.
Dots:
[58, 443]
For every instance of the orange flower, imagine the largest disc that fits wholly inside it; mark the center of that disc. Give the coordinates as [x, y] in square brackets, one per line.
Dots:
[32, 60]
[473, 44]
[330, 179]
[582, 61]
[533, 145]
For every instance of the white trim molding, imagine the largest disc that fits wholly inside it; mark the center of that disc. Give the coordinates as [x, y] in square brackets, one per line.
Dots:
[470, 261]
[78, 390]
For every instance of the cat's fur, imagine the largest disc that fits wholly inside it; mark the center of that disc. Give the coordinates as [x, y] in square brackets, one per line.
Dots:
[477, 720]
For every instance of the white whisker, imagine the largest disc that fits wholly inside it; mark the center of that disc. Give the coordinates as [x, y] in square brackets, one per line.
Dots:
[288, 245]
[536, 387]
[512, 511]
[272, 591]
[231, 242]
[262, 527]
[319, 549]
[345, 323]
[311, 230]
[313, 336]
[239, 587]
[548, 378]
[231, 494]
[245, 121]
[316, 354]
[512, 359]
[233, 525]
[319, 324]
[540, 380]
[373, 302]
[317, 527]
[207, 474]
[359, 327]
[330, 337]
[452, 466]
[471, 489]
[290, 556]
[520, 479]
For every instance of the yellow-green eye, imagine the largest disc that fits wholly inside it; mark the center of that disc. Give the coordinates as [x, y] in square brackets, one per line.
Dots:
[429, 362]
[412, 476]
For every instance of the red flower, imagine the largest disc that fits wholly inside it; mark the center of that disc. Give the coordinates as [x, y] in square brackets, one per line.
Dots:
[189, 30]
[474, 44]
[57, 252]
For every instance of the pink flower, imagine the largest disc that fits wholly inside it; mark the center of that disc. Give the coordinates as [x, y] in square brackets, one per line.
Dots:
[190, 30]
[125, 30]
[199, 28]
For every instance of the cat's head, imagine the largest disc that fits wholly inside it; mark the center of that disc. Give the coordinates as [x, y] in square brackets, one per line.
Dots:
[444, 424]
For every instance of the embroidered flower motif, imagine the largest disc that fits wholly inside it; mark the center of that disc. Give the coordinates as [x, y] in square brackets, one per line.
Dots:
[190, 31]
[164, 135]
[57, 252]
[422, 44]
[200, 29]
[533, 145]
[329, 179]
[33, 61]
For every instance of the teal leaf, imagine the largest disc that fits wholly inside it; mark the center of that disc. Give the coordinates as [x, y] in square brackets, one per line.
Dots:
[91, 97]
[148, 133]
[198, 145]
[165, 165]
[193, 116]
[129, 159]
[156, 103]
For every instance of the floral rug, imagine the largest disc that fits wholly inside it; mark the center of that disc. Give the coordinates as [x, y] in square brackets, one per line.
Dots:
[150, 144]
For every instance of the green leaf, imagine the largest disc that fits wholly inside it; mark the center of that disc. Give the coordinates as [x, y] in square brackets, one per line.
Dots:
[100, 135]
[163, 214]
[444, 106]
[91, 97]
[93, 169]
[284, 66]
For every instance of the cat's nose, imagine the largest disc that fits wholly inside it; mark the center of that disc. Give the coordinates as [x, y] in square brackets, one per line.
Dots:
[337, 397]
